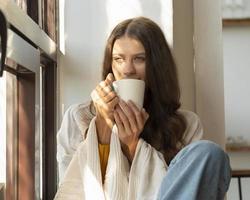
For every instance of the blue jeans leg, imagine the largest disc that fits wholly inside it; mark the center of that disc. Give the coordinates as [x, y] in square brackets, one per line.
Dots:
[200, 171]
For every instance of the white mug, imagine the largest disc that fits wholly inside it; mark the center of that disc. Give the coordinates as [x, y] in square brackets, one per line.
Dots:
[130, 89]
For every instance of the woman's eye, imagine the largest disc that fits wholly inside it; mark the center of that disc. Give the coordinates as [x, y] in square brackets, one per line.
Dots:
[139, 59]
[118, 59]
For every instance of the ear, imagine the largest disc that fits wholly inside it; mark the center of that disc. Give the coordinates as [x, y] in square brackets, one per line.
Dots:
[3, 39]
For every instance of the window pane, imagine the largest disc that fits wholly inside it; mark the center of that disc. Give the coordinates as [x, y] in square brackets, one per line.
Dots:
[30, 7]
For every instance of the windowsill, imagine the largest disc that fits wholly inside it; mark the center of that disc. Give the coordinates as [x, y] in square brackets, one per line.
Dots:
[237, 148]
[241, 173]
[236, 22]
[239, 156]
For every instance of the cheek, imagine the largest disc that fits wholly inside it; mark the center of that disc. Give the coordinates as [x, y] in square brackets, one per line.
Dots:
[116, 72]
[141, 71]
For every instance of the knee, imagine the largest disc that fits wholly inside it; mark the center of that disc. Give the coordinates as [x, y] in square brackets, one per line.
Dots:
[214, 158]
[203, 150]
[209, 149]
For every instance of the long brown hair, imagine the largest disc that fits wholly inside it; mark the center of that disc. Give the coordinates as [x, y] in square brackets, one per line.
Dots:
[165, 126]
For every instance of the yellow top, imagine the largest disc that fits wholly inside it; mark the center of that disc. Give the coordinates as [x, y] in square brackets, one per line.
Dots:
[104, 155]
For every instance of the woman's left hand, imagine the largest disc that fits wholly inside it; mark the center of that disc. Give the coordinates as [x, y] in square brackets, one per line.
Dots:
[130, 122]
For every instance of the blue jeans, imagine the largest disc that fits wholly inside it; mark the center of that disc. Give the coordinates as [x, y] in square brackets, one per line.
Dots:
[200, 171]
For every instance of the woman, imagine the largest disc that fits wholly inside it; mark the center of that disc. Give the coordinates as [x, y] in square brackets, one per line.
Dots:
[126, 153]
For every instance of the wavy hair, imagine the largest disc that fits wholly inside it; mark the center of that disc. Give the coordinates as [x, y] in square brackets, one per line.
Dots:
[165, 127]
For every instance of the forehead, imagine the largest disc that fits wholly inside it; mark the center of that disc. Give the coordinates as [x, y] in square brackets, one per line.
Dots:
[127, 45]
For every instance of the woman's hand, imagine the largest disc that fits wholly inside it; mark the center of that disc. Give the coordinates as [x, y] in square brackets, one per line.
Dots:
[105, 100]
[130, 122]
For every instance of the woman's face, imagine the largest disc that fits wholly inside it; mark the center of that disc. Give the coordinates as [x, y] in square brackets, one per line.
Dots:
[128, 59]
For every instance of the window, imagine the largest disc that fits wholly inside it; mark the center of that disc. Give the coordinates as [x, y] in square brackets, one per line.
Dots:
[28, 102]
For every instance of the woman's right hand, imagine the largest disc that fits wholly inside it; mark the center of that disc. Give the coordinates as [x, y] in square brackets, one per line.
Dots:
[105, 100]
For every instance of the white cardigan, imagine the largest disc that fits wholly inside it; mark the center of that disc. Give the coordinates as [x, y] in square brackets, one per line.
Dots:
[83, 177]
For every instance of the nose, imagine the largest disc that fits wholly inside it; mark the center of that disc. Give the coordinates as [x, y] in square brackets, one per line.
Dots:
[128, 69]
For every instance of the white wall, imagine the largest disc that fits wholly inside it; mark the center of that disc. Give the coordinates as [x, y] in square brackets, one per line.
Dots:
[236, 42]
[183, 49]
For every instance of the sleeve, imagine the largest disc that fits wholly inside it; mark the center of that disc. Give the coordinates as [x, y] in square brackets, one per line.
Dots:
[146, 183]
[71, 187]
[74, 124]
[194, 129]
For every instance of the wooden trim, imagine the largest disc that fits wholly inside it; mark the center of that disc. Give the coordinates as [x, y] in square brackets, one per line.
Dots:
[11, 139]
[241, 173]
[26, 136]
[239, 148]
[236, 22]
[20, 153]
